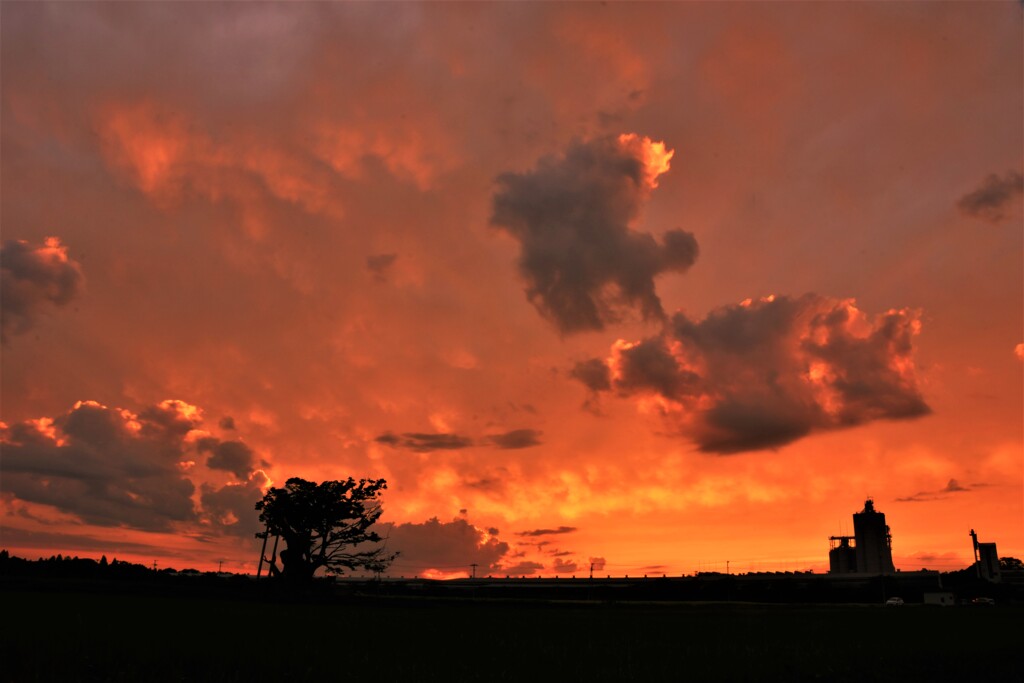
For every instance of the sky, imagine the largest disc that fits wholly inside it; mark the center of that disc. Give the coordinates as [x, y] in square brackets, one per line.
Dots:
[648, 288]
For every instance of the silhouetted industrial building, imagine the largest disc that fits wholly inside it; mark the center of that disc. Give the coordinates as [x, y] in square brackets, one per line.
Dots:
[986, 559]
[868, 551]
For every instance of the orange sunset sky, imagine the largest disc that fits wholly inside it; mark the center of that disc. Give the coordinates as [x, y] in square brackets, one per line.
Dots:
[651, 286]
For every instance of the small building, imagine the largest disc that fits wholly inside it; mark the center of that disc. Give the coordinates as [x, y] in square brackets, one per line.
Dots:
[940, 598]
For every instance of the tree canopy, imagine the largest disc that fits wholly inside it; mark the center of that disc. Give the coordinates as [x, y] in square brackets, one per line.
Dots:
[326, 525]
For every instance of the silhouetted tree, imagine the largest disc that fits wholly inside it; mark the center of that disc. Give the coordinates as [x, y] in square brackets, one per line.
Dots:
[323, 524]
[1010, 563]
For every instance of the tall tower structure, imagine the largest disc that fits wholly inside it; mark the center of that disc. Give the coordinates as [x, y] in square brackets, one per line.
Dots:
[873, 541]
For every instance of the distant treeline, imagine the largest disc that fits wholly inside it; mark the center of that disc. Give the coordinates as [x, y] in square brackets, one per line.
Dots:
[68, 567]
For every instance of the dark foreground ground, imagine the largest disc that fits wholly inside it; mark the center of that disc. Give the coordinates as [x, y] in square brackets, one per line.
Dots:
[88, 636]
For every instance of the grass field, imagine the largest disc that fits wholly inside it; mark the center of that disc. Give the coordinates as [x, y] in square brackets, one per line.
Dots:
[79, 636]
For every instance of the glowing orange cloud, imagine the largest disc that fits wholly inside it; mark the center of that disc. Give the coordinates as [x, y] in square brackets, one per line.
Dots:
[654, 155]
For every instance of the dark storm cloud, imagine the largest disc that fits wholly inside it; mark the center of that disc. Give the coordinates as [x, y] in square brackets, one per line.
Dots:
[227, 422]
[107, 466]
[232, 507]
[425, 442]
[34, 278]
[990, 200]
[445, 546]
[380, 264]
[229, 456]
[547, 532]
[572, 216]
[113, 467]
[762, 374]
[517, 438]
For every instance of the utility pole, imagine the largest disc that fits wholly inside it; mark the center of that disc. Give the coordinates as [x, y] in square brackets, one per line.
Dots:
[263, 551]
[591, 571]
[474, 566]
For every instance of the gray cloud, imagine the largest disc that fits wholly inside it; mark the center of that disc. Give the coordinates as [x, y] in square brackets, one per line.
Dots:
[34, 278]
[572, 216]
[229, 456]
[564, 566]
[232, 507]
[525, 568]
[445, 546]
[593, 373]
[517, 438]
[112, 467]
[547, 532]
[763, 374]
[597, 562]
[380, 264]
[107, 466]
[990, 200]
[425, 442]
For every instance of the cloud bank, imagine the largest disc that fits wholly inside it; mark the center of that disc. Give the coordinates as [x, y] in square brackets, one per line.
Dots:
[34, 278]
[764, 373]
[572, 215]
[116, 468]
[443, 546]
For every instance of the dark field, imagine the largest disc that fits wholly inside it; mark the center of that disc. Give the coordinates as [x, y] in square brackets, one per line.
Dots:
[80, 636]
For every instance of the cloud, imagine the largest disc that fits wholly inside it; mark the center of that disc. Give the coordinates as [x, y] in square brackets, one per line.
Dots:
[230, 456]
[525, 568]
[1018, 351]
[593, 373]
[990, 200]
[764, 373]
[952, 486]
[421, 442]
[379, 265]
[517, 438]
[107, 466]
[425, 442]
[564, 566]
[572, 216]
[33, 279]
[598, 563]
[113, 467]
[547, 532]
[232, 507]
[443, 546]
